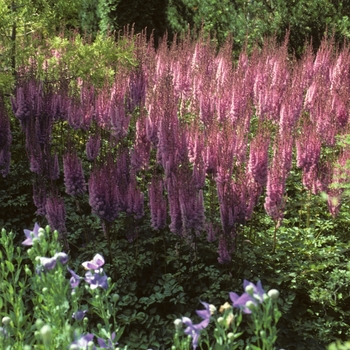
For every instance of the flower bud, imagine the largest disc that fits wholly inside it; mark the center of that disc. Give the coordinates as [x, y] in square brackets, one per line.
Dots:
[115, 297]
[249, 289]
[39, 323]
[212, 309]
[178, 324]
[273, 294]
[250, 305]
[225, 307]
[46, 333]
[74, 347]
[6, 320]
[44, 290]
[221, 321]
[27, 271]
[231, 336]
[41, 234]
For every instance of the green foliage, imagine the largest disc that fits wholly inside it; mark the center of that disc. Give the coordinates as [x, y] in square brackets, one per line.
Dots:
[251, 21]
[16, 203]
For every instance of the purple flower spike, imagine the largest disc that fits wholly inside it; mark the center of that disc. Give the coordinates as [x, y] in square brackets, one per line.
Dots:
[75, 279]
[97, 279]
[95, 263]
[110, 344]
[28, 233]
[79, 315]
[83, 341]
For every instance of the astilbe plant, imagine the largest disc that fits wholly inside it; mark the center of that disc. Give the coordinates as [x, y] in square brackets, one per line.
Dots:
[103, 192]
[189, 106]
[74, 179]
[5, 139]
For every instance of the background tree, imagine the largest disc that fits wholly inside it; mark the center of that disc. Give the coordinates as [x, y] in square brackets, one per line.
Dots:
[252, 20]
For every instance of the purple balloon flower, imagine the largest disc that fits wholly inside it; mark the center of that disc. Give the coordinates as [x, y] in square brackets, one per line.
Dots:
[110, 344]
[31, 234]
[254, 293]
[75, 279]
[48, 263]
[61, 257]
[96, 279]
[194, 329]
[83, 341]
[95, 263]
[79, 315]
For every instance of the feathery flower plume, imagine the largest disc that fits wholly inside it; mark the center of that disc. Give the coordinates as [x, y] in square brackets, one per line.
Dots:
[56, 214]
[142, 146]
[93, 146]
[39, 197]
[54, 168]
[5, 140]
[157, 203]
[258, 158]
[103, 192]
[135, 200]
[74, 179]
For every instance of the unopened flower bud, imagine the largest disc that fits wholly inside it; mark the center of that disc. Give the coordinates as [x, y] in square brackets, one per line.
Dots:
[273, 294]
[90, 345]
[221, 321]
[225, 307]
[46, 333]
[6, 320]
[27, 271]
[41, 234]
[45, 290]
[231, 336]
[178, 324]
[212, 309]
[250, 305]
[39, 323]
[249, 289]
[115, 297]
[74, 347]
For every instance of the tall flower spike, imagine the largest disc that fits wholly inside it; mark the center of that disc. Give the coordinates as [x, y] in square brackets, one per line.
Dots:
[39, 197]
[157, 203]
[93, 147]
[73, 174]
[56, 214]
[103, 192]
[5, 140]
